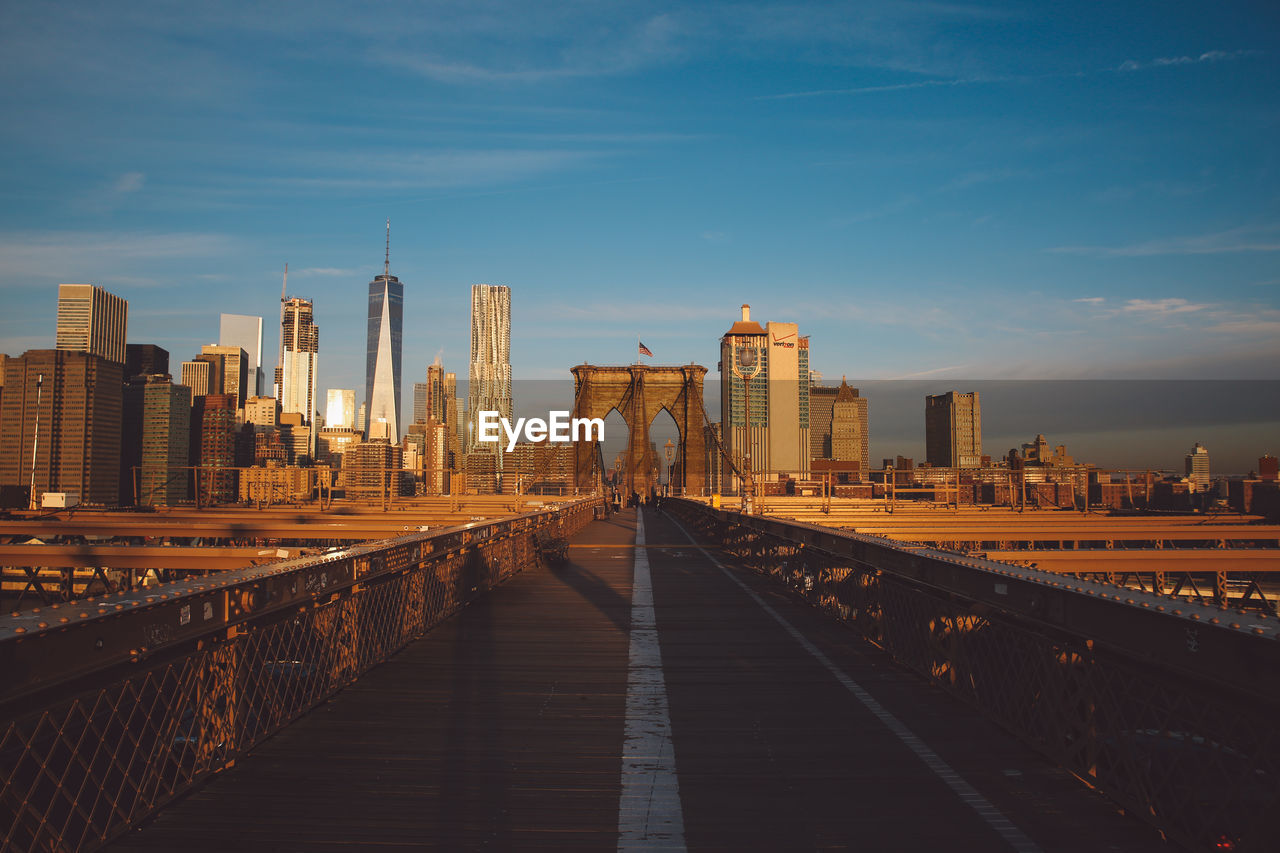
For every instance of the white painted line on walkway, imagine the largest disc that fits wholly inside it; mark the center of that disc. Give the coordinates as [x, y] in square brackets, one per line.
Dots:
[649, 813]
[993, 817]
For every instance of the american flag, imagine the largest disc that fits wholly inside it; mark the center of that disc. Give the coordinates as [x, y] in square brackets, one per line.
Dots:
[644, 350]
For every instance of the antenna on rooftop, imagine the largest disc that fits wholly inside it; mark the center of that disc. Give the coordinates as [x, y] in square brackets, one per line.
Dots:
[386, 266]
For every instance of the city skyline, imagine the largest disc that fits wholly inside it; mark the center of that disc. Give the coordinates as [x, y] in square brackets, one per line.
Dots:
[1024, 192]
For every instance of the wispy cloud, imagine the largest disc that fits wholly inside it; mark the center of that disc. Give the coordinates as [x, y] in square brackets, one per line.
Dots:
[1208, 56]
[67, 255]
[1092, 300]
[1260, 238]
[870, 90]
[616, 49]
[325, 171]
[1162, 307]
[329, 272]
[920, 374]
[898, 205]
[978, 177]
[130, 182]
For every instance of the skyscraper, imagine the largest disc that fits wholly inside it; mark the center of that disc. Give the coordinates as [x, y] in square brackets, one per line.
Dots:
[779, 398]
[1197, 462]
[231, 375]
[145, 360]
[419, 402]
[849, 439]
[953, 430]
[437, 397]
[166, 434]
[340, 411]
[382, 364]
[196, 376]
[92, 320]
[241, 330]
[74, 430]
[299, 356]
[490, 378]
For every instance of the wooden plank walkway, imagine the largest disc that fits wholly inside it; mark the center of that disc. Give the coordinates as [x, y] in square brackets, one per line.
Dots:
[503, 729]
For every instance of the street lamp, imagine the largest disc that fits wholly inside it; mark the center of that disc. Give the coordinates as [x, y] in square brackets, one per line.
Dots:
[746, 366]
[35, 443]
[670, 450]
[617, 474]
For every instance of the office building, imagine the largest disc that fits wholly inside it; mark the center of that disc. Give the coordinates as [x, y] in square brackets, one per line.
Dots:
[1197, 466]
[162, 477]
[213, 447]
[374, 470]
[452, 405]
[145, 360]
[68, 406]
[244, 331]
[849, 439]
[332, 443]
[340, 409]
[426, 453]
[419, 402]
[438, 392]
[490, 378]
[382, 362]
[196, 376]
[953, 430]
[822, 399]
[299, 359]
[229, 372]
[92, 320]
[262, 412]
[777, 440]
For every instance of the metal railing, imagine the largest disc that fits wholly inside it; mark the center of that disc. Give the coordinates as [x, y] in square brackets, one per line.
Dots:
[111, 708]
[1168, 707]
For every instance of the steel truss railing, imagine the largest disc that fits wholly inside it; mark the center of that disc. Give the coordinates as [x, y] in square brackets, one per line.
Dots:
[1168, 707]
[112, 708]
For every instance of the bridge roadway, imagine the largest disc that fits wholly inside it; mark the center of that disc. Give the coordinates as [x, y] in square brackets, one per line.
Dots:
[507, 728]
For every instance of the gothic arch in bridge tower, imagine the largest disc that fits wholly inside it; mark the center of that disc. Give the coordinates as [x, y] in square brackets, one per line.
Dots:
[639, 392]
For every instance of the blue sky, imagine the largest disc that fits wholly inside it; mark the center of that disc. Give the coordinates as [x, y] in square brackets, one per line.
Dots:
[931, 190]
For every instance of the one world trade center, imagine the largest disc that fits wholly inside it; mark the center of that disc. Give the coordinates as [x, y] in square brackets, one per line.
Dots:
[382, 368]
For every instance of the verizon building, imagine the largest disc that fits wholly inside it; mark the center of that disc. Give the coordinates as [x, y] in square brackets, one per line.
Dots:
[778, 434]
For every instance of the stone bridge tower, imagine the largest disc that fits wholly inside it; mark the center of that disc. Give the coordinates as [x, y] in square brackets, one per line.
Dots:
[639, 392]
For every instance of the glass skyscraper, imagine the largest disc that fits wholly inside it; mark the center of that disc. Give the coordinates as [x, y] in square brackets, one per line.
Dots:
[244, 331]
[382, 367]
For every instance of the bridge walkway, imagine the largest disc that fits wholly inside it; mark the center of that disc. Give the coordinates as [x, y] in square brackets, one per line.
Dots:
[507, 727]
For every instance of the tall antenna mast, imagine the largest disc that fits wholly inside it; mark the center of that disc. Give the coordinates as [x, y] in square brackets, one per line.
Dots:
[386, 266]
[279, 383]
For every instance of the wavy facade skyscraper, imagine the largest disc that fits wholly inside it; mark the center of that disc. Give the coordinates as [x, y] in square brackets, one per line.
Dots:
[382, 367]
[490, 377]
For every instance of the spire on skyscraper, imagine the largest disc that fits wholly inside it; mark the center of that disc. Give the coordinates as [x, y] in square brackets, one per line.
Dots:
[386, 265]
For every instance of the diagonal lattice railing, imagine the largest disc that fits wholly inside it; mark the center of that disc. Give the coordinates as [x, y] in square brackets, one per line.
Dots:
[1168, 707]
[110, 709]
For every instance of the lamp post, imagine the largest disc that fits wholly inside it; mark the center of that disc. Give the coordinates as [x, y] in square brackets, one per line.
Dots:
[670, 449]
[746, 366]
[617, 476]
[35, 442]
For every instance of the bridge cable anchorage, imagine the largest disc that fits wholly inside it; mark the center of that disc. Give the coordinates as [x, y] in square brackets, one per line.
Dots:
[993, 817]
[649, 812]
